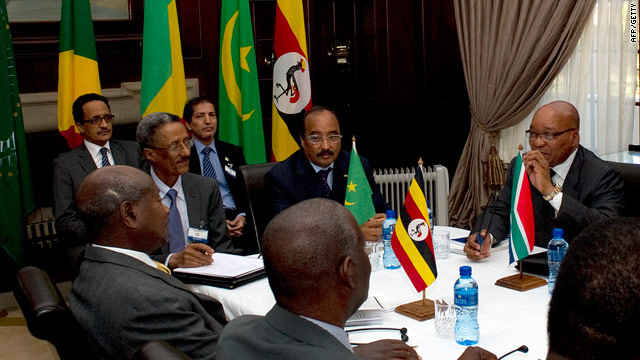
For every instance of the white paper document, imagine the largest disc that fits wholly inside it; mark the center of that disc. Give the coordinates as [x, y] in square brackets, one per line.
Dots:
[227, 266]
[369, 313]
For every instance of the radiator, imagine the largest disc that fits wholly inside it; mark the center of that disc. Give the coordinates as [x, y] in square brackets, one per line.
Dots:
[394, 184]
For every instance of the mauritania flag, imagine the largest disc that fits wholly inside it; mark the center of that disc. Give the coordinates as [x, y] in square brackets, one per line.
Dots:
[411, 241]
[358, 194]
[163, 85]
[240, 115]
[16, 194]
[522, 222]
[291, 82]
[77, 64]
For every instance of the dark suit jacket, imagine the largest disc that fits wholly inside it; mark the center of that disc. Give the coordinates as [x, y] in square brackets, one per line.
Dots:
[592, 192]
[122, 303]
[294, 180]
[230, 156]
[204, 208]
[69, 170]
[279, 335]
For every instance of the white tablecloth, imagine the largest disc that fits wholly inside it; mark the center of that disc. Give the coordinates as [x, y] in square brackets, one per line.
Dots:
[507, 318]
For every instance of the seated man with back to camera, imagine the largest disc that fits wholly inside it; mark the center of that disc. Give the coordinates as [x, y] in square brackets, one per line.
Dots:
[319, 274]
[320, 170]
[570, 186]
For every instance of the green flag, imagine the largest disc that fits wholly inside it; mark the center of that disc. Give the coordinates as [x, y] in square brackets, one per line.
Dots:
[240, 116]
[16, 194]
[358, 194]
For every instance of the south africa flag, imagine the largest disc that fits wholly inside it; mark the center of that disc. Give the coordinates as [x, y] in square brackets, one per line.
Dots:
[522, 222]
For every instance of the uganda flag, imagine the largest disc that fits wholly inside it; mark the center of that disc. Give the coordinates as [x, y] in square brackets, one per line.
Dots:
[523, 236]
[77, 64]
[163, 85]
[291, 81]
[411, 241]
[240, 115]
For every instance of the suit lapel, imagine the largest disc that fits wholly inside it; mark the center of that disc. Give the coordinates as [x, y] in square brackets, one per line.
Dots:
[85, 160]
[118, 153]
[569, 186]
[191, 195]
[308, 180]
[340, 174]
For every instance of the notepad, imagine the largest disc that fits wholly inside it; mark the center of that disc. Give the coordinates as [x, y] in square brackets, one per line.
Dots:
[369, 313]
[229, 271]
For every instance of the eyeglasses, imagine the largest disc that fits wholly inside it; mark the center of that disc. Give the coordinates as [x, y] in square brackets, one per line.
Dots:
[317, 139]
[176, 147]
[96, 120]
[546, 135]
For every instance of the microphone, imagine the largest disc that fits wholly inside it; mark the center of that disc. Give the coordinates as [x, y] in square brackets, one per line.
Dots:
[522, 348]
[403, 332]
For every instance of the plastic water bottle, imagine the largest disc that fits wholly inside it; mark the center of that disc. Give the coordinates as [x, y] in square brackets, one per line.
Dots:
[389, 259]
[556, 250]
[465, 293]
[431, 223]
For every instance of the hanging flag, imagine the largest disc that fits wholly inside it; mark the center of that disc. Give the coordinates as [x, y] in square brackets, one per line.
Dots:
[163, 85]
[358, 194]
[77, 64]
[291, 82]
[411, 240]
[523, 236]
[16, 193]
[240, 115]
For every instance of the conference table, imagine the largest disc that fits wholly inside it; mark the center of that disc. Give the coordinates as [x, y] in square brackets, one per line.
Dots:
[507, 318]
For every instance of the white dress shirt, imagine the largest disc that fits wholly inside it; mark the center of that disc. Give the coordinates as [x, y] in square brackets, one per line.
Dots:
[94, 150]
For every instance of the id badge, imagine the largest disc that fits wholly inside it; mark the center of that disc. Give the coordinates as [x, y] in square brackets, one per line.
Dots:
[197, 235]
[230, 171]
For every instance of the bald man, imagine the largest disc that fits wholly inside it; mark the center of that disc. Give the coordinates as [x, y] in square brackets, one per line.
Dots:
[571, 187]
[319, 274]
[121, 298]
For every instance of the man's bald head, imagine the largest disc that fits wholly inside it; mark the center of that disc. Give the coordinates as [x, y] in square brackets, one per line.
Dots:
[564, 111]
[559, 120]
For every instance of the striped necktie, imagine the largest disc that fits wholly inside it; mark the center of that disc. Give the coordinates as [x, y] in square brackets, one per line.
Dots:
[207, 167]
[176, 233]
[105, 158]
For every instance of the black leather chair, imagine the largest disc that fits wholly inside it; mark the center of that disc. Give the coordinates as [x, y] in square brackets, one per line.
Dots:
[631, 175]
[159, 350]
[253, 182]
[48, 316]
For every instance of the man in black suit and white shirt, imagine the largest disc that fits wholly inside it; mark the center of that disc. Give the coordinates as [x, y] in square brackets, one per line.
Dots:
[92, 115]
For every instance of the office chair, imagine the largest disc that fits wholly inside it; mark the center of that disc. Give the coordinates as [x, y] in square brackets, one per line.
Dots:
[159, 350]
[252, 177]
[47, 315]
[631, 175]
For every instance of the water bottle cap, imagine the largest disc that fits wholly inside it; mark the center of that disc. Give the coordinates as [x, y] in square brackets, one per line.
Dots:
[465, 270]
[391, 214]
[557, 232]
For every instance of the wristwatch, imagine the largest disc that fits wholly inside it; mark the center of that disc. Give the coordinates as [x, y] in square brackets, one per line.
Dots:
[556, 190]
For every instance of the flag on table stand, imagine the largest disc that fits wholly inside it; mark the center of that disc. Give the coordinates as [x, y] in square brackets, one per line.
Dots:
[163, 85]
[358, 194]
[522, 222]
[16, 193]
[411, 241]
[240, 115]
[291, 82]
[77, 64]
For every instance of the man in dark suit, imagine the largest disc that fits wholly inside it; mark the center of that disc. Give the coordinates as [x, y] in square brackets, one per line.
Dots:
[121, 298]
[571, 187]
[217, 158]
[320, 170]
[92, 115]
[197, 221]
[319, 274]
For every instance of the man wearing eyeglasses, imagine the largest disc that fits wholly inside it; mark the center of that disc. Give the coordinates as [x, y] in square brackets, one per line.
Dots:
[197, 225]
[93, 118]
[320, 170]
[571, 187]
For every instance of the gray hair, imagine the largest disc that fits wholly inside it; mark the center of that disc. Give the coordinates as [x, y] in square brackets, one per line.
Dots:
[147, 127]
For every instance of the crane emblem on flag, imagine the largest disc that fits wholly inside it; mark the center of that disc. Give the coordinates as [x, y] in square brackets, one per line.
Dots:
[293, 69]
[418, 229]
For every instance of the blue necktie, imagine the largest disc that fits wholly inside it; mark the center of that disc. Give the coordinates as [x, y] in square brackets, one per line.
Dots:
[105, 159]
[207, 167]
[324, 174]
[176, 233]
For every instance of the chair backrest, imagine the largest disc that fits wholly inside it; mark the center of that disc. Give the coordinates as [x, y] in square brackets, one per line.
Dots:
[631, 175]
[47, 315]
[253, 182]
[159, 350]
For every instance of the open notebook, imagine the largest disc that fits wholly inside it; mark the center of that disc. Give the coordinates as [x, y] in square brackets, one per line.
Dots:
[228, 271]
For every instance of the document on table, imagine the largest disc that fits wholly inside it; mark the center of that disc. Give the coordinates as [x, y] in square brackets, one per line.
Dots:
[369, 313]
[226, 266]
[459, 237]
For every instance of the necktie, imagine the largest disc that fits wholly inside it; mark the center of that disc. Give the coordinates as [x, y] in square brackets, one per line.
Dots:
[176, 233]
[105, 159]
[552, 173]
[207, 167]
[160, 266]
[324, 174]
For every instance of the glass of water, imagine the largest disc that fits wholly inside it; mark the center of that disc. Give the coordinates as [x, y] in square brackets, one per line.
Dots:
[441, 243]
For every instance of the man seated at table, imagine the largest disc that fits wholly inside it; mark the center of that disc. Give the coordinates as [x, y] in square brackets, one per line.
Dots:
[121, 298]
[593, 313]
[320, 170]
[570, 186]
[319, 274]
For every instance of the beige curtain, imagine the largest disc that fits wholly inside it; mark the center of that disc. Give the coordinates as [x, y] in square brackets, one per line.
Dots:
[511, 51]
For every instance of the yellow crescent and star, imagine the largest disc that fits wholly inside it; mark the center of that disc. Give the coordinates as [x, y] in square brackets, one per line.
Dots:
[228, 74]
[351, 187]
